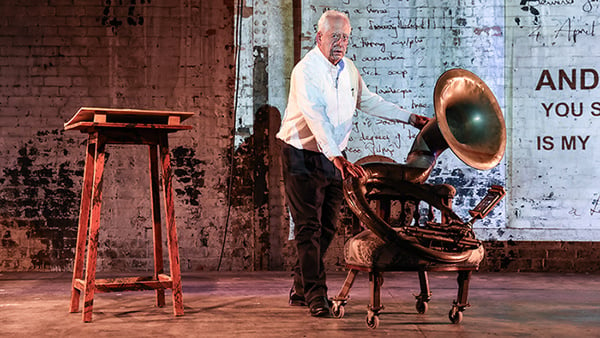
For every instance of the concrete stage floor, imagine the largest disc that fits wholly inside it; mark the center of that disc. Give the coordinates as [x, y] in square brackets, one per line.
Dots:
[224, 304]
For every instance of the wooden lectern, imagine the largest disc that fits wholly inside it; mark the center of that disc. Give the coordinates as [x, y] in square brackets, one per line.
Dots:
[125, 126]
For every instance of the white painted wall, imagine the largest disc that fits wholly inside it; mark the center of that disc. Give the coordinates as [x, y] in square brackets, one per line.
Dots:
[402, 46]
[554, 183]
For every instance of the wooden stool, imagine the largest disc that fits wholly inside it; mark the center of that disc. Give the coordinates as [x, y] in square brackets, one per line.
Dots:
[125, 126]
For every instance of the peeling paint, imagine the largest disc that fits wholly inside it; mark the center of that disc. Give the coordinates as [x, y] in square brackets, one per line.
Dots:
[40, 198]
[189, 171]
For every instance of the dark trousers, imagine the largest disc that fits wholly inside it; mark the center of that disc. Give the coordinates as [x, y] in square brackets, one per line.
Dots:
[313, 187]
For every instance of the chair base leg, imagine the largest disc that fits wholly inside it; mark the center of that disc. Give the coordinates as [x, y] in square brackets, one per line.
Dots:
[341, 299]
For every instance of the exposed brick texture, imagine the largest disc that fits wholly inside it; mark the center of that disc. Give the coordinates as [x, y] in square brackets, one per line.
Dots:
[57, 56]
[528, 256]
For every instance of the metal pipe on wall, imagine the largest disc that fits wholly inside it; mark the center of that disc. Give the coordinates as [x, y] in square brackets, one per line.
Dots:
[297, 23]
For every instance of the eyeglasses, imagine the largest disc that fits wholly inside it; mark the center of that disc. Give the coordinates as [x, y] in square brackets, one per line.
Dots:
[340, 36]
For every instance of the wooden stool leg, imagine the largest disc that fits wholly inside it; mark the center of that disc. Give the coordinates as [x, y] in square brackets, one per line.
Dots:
[171, 228]
[156, 223]
[90, 273]
[84, 218]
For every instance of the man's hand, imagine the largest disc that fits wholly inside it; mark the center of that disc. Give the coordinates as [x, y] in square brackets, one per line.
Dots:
[418, 121]
[347, 167]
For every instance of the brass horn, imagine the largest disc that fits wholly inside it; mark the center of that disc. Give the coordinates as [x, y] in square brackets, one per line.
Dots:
[468, 120]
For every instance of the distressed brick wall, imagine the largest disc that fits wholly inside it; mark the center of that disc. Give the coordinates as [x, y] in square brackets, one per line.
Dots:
[542, 256]
[59, 55]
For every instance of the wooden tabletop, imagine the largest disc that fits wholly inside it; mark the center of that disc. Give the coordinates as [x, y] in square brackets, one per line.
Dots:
[89, 118]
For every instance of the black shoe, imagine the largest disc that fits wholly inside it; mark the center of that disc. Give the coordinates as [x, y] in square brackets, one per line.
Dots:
[319, 307]
[296, 299]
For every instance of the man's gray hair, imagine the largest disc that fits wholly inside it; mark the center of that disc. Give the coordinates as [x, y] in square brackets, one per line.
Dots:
[324, 22]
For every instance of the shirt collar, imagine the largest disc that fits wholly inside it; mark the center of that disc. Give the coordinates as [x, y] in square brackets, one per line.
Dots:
[340, 66]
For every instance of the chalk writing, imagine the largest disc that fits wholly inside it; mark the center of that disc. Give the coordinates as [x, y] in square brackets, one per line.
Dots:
[416, 23]
[408, 42]
[388, 57]
[391, 90]
[393, 28]
[415, 105]
[554, 2]
[589, 5]
[571, 30]
[372, 10]
[574, 212]
[595, 209]
[370, 139]
[364, 42]
[386, 122]
[369, 71]
[397, 72]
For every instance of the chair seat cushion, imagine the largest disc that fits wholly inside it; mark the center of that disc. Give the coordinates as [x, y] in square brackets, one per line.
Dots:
[367, 250]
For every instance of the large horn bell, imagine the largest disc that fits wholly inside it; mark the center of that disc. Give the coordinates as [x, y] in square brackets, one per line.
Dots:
[470, 119]
[467, 119]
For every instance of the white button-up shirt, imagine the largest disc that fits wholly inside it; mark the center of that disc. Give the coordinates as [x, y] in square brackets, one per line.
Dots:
[321, 104]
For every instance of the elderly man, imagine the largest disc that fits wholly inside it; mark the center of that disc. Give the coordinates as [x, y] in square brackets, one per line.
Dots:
[325, 91]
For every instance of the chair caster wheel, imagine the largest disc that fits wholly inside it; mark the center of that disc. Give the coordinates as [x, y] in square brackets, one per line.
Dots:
[421, 306]
[337, 310]
[455, 315]
[372, 320]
